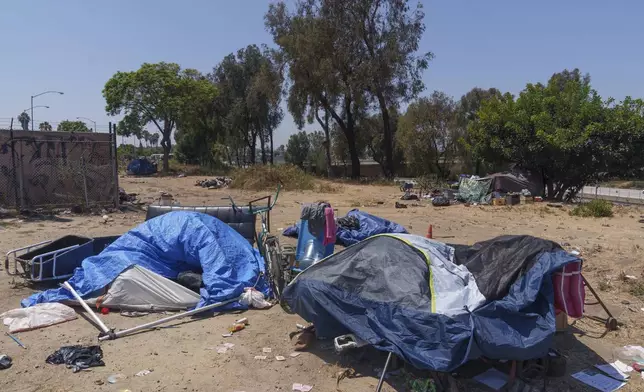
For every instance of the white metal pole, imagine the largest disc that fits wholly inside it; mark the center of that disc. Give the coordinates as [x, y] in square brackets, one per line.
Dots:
[153, 324]
[93, 315]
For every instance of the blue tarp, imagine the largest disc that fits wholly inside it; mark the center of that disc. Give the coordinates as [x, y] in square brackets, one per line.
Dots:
[359, 290]
[370, 225]
[169, 244]
[141, 167]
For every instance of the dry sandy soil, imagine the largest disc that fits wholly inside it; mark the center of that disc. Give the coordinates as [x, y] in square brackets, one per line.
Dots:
[180, 356]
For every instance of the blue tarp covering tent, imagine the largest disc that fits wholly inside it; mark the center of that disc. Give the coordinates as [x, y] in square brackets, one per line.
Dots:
[141, 167]
[167, 245]
[368, 225]
[434, 305]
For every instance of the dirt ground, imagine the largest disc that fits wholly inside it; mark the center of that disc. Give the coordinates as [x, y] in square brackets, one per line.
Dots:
[182, 358]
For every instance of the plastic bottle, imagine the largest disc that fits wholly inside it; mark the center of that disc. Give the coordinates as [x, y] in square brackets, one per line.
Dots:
[236, 327]
[313, 252]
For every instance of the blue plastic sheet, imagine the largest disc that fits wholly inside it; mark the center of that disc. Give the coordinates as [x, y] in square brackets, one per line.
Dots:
[169, 244]
[141, 167]
[370, 225]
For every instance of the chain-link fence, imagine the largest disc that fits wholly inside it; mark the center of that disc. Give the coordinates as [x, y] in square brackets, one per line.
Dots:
[50, 169]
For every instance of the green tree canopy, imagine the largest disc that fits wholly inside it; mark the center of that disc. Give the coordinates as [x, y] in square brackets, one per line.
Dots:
[72, 126]
[552, 129]
[297, 149]
[155, 93]
[428, 134]
[45, 127]
[24, 119]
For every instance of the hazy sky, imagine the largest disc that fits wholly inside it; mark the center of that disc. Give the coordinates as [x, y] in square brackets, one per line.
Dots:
[76, 45]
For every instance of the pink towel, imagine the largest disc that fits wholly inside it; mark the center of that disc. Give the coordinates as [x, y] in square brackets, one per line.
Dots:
[329, 227]
[569, 290]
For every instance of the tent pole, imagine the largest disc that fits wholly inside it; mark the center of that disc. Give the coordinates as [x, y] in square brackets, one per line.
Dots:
[153, 324]
[384, 372]
[89, 311]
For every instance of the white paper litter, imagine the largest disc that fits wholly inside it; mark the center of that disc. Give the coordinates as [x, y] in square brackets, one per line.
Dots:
[280, 358]
[143, 373]
[616, 370]
[294, 354]
[260, 357]
[266, 350]
[37, 316]
[301, 387]
[492, 378]
[598, 380]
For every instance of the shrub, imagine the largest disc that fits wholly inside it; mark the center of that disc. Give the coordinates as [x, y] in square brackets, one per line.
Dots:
[261, 177]
[595, 208]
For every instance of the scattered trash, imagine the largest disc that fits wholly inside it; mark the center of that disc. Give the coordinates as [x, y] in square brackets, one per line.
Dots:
[555, 205]
[226, 335]
[223, 348]
[215, 183]
[400, 205]
[254, 298]
[99, 382]
[5, 362]
[616, 370]
[346, 373]
[294, 355]
[261, 357]
[114, 378]
[15, 339]
[492, 378]
[243, 320]
[181, 175]
[300, 326]
[305, 339]
[133, 313]
[630, 354]
[236, 327]
[38, 316]
[440, 201]
[143, 373]
[77, 357]
[302, 387]
[631, 277]
[280, 358]
[598, 380]
[266, 350]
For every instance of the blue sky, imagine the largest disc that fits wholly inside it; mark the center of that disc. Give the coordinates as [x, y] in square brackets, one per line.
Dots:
[76, 45]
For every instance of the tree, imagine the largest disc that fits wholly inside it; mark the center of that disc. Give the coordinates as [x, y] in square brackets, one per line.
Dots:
[317, 151]
[427, 134]
[323, 65]
[154, 139]
[155, 93]
[552, 129]
[297, 149]
[467, 114]
[24, 119]
[45, 127]
[146, 136]
[342, 55]
[72, 126]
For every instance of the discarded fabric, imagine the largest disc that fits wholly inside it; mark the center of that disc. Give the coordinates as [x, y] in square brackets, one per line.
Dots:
[77, 357]
[302, 387]
[214, 183]
[42, 315]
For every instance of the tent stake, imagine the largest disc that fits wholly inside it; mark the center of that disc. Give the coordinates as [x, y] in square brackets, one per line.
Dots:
[384, 371]
[153, 324]
[89, 311]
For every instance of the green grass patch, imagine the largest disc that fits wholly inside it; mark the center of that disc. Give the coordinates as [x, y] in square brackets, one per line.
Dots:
[595, 208]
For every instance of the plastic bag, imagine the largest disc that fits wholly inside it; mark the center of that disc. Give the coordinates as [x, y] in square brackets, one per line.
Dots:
[77, 357]
[37, 316]
[254, 298]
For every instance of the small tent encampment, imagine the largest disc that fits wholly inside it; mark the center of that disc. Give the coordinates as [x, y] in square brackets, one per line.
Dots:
[435, 305]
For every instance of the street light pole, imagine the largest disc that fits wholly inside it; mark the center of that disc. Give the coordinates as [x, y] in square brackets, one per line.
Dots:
[88, 119]
[32, 104]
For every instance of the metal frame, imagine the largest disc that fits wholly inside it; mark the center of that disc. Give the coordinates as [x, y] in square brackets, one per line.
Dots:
[28, 266]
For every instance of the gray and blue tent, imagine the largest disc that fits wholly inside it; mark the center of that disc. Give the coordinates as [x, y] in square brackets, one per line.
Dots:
[435, 305]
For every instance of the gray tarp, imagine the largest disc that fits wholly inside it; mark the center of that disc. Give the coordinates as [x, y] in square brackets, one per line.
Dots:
[143, 290]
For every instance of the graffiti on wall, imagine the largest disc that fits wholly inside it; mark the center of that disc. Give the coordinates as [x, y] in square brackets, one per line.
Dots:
[56, 169]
